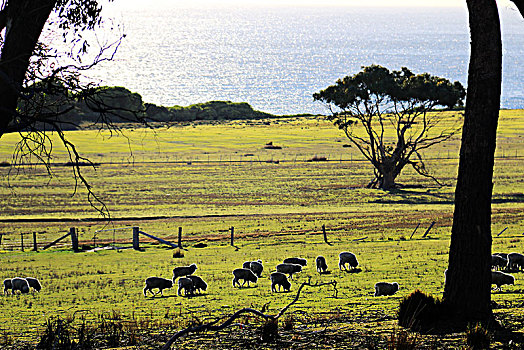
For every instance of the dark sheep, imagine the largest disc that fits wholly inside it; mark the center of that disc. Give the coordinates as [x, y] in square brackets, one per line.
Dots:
[19, 284]
[297, 261]
[498, 262]
[186, 284]
[278, 278]
[385, 288]
[7, 285]
[34, 283]
[256, 267]
[183, 271]
[243, 274]
[157, 282]
[499, 279]
[290, 269]
[515, 261]
[198, 283]
[347, 258]
[321, 264]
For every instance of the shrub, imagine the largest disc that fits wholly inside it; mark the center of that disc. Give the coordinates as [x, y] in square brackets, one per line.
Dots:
[419, 311]
[477, 337]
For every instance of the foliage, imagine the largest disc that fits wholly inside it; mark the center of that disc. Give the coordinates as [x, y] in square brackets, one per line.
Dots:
[392, 109]
[477, 337]
[419, 311]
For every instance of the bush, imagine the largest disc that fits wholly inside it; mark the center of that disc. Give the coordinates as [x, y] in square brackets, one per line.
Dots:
[419, 311]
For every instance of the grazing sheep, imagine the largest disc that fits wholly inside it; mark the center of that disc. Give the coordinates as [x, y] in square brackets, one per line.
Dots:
[297, 261]
[347, 258]
[321, 264]
[183, 271]
[515, 261]
[34, 283]
[498, 262]
[7, 285]
[385, 288]
[157, 282]
[500, 278]
[186, 284]
[290, 269]
[244, 274]
[504, 255]
[198, 283]
[278, 278]
[20, 284]
[246, 265]
[256, 267]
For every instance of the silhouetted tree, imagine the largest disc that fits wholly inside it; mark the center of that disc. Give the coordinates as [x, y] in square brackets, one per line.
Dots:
[468, 281]
[390, 117]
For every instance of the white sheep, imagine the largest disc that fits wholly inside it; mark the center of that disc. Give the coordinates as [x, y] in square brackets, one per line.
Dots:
[198, 283]
[499, 279]
[385, 288]
[290, 269]
[19, 284]
[34, 283]
[157, 282]
[297, 261]
[186, 284]
[7, 285]
[243, 274]
[280, 279]
[515, 261]
[347, 258]
[321, 264]
[183, 271]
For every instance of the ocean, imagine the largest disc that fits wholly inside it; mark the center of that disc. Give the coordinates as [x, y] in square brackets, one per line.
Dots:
[275, 58]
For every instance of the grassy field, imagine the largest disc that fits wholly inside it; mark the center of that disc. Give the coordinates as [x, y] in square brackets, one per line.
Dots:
[207, 178]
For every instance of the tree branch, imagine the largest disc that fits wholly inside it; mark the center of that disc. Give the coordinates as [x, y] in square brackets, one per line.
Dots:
[213, 327]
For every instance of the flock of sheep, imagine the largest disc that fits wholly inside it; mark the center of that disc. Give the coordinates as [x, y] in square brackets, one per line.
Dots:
[251, 271]
[508, 262]
[22, 285]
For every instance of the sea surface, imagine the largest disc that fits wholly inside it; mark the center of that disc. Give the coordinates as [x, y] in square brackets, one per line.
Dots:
[275, 58]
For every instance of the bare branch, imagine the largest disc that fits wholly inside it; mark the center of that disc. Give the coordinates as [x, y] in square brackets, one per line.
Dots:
[212, 326]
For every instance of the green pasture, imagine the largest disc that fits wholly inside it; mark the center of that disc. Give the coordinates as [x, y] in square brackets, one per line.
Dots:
[207, 178]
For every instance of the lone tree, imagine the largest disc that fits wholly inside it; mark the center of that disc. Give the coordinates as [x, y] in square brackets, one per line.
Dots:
[390, 117]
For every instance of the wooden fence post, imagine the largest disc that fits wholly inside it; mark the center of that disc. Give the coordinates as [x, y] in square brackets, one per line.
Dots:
[74, 239]
[180, 237]
[136, 240]
[325, 234]
[35, 246]
[22, 241]
[416, 228]
[429, 228]
[232, 236]
[1, 235]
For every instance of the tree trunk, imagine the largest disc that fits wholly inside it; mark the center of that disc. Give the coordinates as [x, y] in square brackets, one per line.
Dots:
[468, 281]
[387, 180]
[25, 20]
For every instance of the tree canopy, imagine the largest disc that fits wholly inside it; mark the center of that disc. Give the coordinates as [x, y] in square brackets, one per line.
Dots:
[390, 116]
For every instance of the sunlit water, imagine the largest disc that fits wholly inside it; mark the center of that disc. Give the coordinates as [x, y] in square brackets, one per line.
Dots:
[276, 58]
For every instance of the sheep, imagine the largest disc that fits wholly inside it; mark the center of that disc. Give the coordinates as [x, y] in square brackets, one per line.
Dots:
[499, 278]
[34, 283]
[321, 264]
[186, 284]
[297, 261]
[7, 285]
[515, 261]
[183, 271]
[280, 279]
[347, 258]
[498, 261]
[385, 288]
[256, 267]
[504, 255]
[244, 274]
[289, 269]
[19, 284]
[198, 283]
[157, 282]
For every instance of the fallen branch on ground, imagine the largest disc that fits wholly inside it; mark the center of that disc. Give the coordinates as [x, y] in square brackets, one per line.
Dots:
[212, 326]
